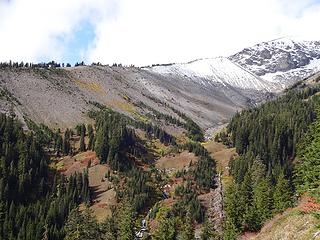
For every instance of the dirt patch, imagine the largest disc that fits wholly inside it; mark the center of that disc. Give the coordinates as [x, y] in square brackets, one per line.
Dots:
[222, 155]
[69, 165]
[309, 205]
[104, 196]
[205, 199]
[177, 161]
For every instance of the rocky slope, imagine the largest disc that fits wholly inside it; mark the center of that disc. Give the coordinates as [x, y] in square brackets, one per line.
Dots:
[282, 60]
[62, 97]
[207, 90]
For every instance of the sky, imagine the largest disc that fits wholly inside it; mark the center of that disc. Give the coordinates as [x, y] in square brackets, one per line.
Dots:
[144, 32]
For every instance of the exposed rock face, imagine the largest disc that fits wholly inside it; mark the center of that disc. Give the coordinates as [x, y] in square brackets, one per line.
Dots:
[216, 211]
[282, 60]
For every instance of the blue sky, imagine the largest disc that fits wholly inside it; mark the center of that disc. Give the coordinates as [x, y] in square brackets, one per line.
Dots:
[143, 32]
[78, 43]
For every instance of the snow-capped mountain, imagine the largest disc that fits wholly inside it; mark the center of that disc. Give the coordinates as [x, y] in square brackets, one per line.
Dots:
[282, 60]
[215, 71]
[268, 66]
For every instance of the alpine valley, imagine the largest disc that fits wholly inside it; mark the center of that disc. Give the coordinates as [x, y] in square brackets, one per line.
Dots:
[215, 148]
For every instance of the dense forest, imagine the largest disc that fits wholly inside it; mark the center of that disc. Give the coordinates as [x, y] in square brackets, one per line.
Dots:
[307, 171]
[34, 200]
[38, 202]
[115, 140]
[268, 139]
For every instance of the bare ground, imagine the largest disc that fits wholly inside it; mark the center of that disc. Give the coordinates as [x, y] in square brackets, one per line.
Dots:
[104, 196]
[222, 155]
[62, 97]
[176, 162]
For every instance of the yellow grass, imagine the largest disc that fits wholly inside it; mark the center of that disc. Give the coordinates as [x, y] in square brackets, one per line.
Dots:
[125, 106]
[94, 87]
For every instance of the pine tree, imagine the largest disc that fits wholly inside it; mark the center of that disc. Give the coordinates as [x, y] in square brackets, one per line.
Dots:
[58, 145]
[2, 217]
[282, 196]
[91, 137]
[66, 147]
[81, 226]
[258, 171]
[188, 229]
[262, 201]
[230, 231]
[166, 229]
[208, 231]
[125, 224]
[82, 144]
[109, 229]
[82, 136]
[73, 225]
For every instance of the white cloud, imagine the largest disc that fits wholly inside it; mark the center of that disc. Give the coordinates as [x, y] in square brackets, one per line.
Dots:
[36, 29]
[150, 31]
[154, 31]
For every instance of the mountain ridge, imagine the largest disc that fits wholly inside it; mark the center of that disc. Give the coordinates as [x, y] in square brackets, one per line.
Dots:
[208, 90]
[281, 60]
[216, 70]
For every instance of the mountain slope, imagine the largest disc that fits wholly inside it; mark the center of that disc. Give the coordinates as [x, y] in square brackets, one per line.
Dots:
[292, 224]
[63, 96]
[282, 60]
[215, 71]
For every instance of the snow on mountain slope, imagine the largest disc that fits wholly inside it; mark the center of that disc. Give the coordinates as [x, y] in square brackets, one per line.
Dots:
[282, 60]
[215, 71]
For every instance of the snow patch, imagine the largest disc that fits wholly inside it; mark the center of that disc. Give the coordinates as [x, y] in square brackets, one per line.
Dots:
[215, 70]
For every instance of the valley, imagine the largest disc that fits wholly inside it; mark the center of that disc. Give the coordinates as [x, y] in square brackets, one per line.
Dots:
[221, 148]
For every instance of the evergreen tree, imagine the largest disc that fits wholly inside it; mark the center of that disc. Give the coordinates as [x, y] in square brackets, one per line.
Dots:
[230, 231]
[262, 201]
[125, 224]
[109, 229]
[82, 143]
[81, 226]
[66, 147]
[166, 230]
[91, 137]
[208, 231]
[188, 229]
[282, 195]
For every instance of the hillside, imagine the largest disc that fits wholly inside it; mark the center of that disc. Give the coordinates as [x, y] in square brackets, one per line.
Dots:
[209, 91]
[216, 71]
[63, 96]
[277, 168]
[292, 224]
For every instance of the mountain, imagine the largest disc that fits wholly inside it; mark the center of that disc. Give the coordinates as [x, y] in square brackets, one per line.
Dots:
[63, 96]
[215, 71]
[283, 60]
[95, 150]
[209, 91]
